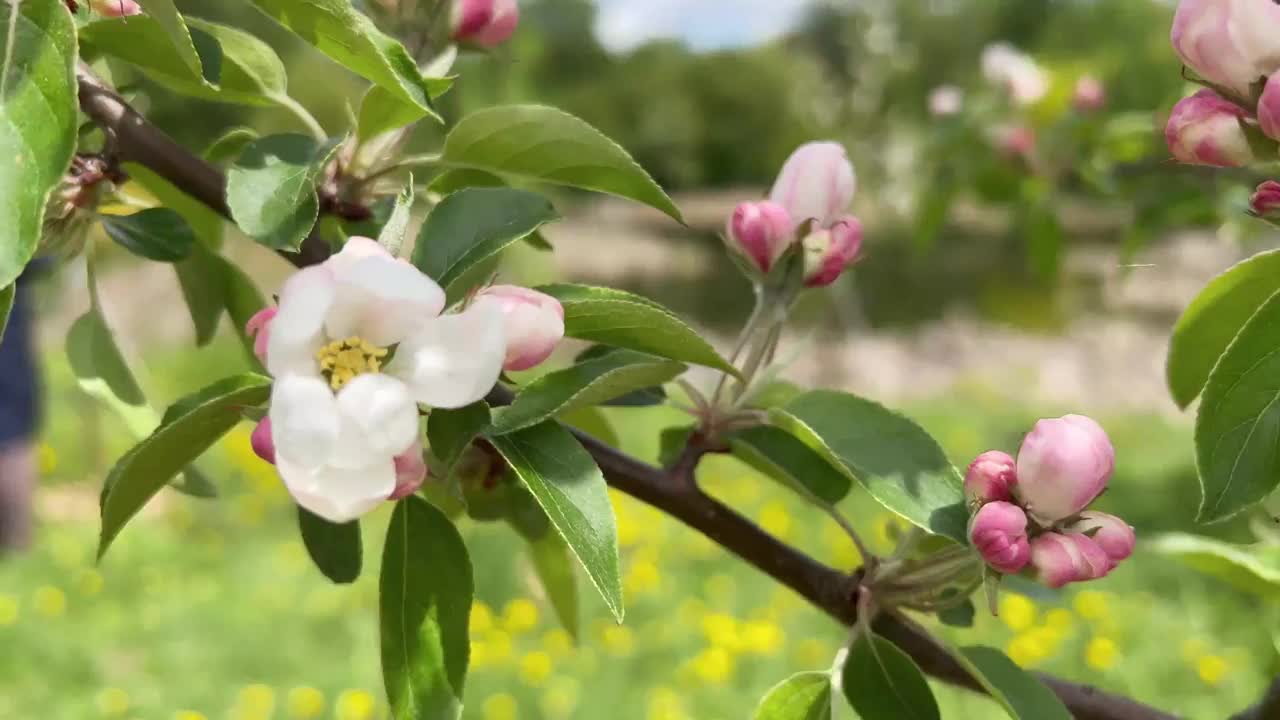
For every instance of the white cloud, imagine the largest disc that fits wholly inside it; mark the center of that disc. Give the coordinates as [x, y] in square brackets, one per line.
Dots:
[704, 24]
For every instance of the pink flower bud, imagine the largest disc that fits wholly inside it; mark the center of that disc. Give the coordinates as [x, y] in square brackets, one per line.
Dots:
[487, 23]
[263, 444]
[999, 533]
[411, 471]
[1063, 464]
[115, 8]
[259, 329]
[1266, 200]
[946, 100]
[1059, 559]
[1205, 129]
[760, 232]
[1113, 535]
[1269, 108]
[1015, 141]
[1090, 95]
[1016, 72]
[991, 476]
[534, 323]
[1230, 43]
[828, 252]
[816, 183]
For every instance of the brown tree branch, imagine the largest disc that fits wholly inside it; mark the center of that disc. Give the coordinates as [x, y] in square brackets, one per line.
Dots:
[671, 491]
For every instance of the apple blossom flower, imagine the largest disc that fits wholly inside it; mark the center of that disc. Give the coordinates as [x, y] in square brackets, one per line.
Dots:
[1063, 465]
[533, 322]
[259, 330]
[760, 232]
[1005, 66]
[1230, 43]
[487, 23]
[991, 476]
[946, 100]
[816, 183]
[829, 251]
[342, 406]
[1089, 95]
[1206, 129]
[411, 472]
[999, 532]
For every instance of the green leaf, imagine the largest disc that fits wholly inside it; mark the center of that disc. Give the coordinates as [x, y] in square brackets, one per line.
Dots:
[1214, 319]
[449, 432]
[229, 145]
[271, 189]
[425, 593]
[204, 289]
[37, 123]
[783, 457]
[1238, 426]
[7, 296]
[892, 457]
[334, 548]
[382, 111]
[554, 568]
[396, 229]
[882, 682]
[181, 438]
[534, 142]
[583, 385]
[624, 320]
[474, 225]
[350, 38]
[158, 234]
[1020, 693]
[960, 616]
[564, 479]
[803, 696]
[243, 302]
[166, 16]
[1251, 568]
[207, 224]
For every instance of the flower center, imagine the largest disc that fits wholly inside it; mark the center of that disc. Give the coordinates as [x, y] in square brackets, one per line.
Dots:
[342, 360]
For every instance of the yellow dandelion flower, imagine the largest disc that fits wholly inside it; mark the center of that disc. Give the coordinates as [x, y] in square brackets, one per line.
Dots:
[256, 702]
[1091, 604]
[481, 657]
[843, 551]
[519, 616]
[49, 601]
[561, 697]
[481, 618]
[1059, 619]
[619, 640]
[189, 715]
[1101, 653]
[305, 703]
[713, 665]
[535, 668]
[500, 707]
[89, 582]
[1027, 649]
[8, 610]
[721, 630]
[46, 459]
[762, 638]
[1017, 611]
[642, 578]
[1212, 669]
[665, 704]
[557, 643]
[112, 702]
[775, 519]
[356, 705]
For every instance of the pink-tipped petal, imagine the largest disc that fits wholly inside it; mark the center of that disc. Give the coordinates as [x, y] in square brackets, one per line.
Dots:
[1062, 466]
[411, 472]
[259, 329]
[1057, 560]
[999, 533]
[262, 442]
[816, 183]
[760, 232]
[827, 253]
[1205, 129]
[533, 322]
[1113, 535]
[991, 476]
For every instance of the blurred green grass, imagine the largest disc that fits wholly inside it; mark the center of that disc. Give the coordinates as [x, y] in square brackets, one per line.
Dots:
[211, 610]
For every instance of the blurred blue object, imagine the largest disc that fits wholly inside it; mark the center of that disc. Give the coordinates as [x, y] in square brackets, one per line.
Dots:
[19, 378]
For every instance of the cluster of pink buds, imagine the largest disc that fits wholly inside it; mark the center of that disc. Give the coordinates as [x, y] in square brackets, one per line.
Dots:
[808, 205]
[1030, 514]
[109, 8]
[487, 23]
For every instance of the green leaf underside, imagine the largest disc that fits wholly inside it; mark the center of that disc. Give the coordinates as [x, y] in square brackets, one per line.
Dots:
[349, 37]
[474, 225]
[785, 458]
[553, 564]
[396, 230]
[1254, 569]
[170, 21]
[535, 142]
[1238, 425]
[1214, 318]
[583, 385]
[425, 593]
[882, 682]
[803, 696]
[229, 145]
[37, 123]
[158, 234]
[271, 189]
[1021, 695]
[898, 463]
[449, 432]
[334, 548]
[180, 439]
[382, 110]
[564, 479]
[625, 320]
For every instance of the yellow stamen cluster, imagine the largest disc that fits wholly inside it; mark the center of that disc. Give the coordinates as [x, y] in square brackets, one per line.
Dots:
[342, 360]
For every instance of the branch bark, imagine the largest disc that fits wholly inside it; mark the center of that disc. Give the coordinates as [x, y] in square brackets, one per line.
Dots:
[672, 491]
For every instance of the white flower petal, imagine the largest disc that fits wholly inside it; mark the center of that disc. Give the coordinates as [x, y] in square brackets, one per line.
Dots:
[383, 301]
[454, 360]
[304, 419]
[296, 330]
[381, 409]
[338, 494]
[356, 249]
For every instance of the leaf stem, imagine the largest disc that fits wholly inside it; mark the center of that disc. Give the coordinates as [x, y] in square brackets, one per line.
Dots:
[296, 109]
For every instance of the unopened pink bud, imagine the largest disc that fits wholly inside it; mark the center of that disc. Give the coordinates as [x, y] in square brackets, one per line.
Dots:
[259, 330]
[263, 444]
[115, 8]
[1090, 96]
[991, 476]
[1206, 129]
[1059, 559]
[1266, 200]
[534, 323]
[760, 232]
[1113, 535]
[1063, 464]
[1015, 141]
[487, 23]
[999, 533]
[946, 100]
[816, 183]
[828, 252]
[411, 471]
[1230, 43]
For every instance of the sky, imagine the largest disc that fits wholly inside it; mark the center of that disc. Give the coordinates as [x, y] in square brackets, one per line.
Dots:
[702, 24]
